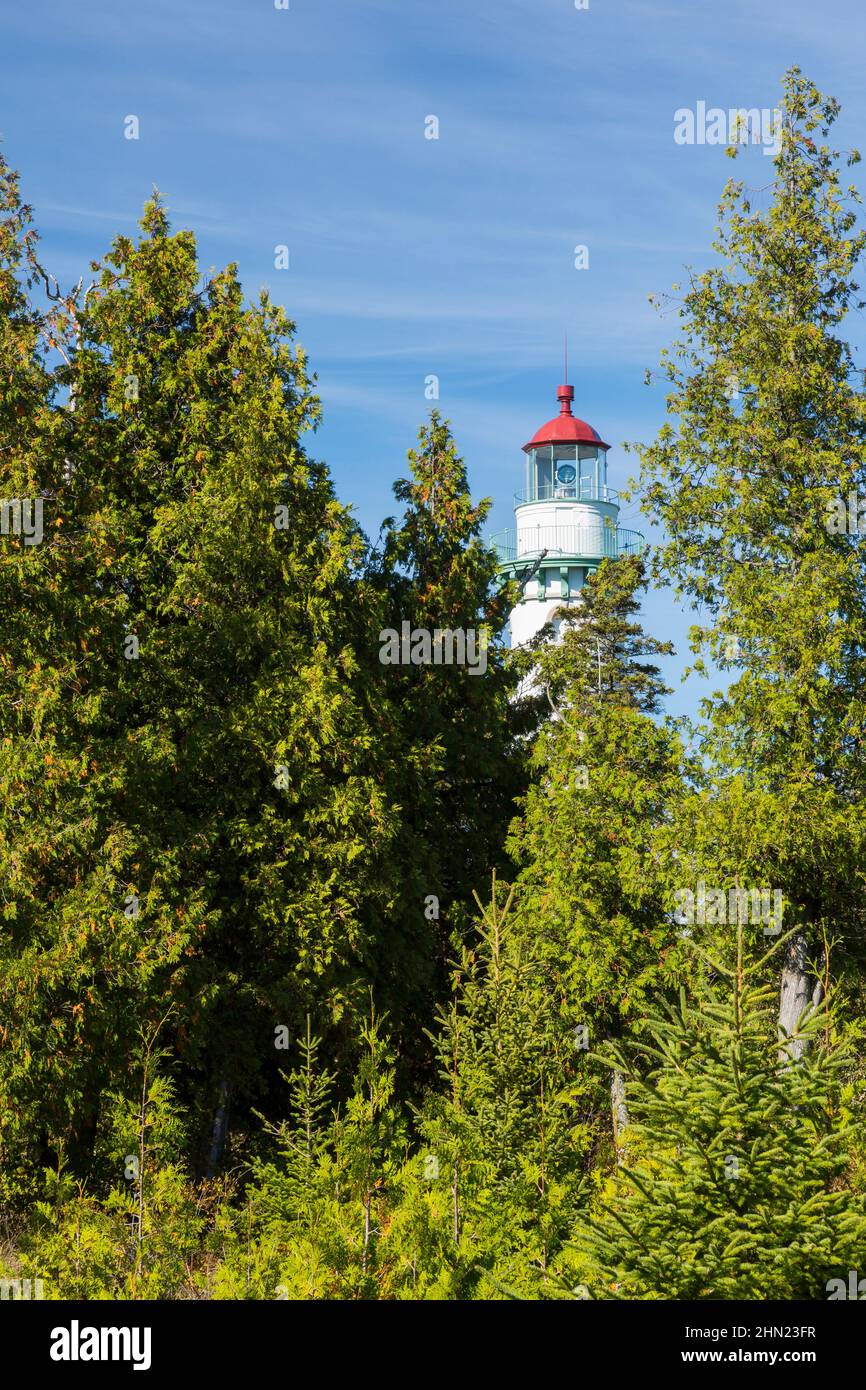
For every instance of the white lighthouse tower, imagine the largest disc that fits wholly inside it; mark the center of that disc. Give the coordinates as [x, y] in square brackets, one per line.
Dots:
[565, 520]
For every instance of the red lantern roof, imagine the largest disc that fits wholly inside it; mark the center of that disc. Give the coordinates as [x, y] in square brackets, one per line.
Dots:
[565, 428]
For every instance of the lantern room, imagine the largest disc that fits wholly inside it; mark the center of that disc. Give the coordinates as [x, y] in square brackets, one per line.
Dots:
[566, 459]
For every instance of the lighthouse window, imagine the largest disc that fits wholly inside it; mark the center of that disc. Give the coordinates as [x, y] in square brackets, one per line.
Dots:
[588, 471]
[543, 470]
[564, 458]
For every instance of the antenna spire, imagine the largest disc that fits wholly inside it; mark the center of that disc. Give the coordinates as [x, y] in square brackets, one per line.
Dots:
[565, 394]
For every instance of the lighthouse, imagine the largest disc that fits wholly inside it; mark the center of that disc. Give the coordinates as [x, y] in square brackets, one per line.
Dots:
[565, 520]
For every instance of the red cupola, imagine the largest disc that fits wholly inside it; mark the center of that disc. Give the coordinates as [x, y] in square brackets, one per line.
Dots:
[565, 428]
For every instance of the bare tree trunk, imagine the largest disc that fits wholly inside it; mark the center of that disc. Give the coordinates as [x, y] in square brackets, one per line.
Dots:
[799, 991]
[367, 1200]
[619, 1111]
[455, 1196]
[219, 1131]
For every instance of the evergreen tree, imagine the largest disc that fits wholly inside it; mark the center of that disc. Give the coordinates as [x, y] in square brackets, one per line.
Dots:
[195, 812]
[315, 1214]
[735, 1180]
[767, 435]
[503, 1142]
[441, 576]
[223, 813]
[607, 776]
[285, 1239]
[144, 1238]
[26, 472]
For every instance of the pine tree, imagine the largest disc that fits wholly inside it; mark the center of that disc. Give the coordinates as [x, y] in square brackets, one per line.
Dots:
[460, 764]
[734, 1185]
[766, 437]
[598, 662]
[502, 1157]
[369, 1141]
[607, 776]
[285, 1240]
[315, 1213]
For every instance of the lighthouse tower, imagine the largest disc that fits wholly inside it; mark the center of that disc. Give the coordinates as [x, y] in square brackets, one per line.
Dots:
[565, 520]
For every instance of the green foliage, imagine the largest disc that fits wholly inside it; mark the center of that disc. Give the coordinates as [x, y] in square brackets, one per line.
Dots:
[734, 1182]
[460, 763]
[207, 806]
[230, 831]
[766, 435]
[607, 778]
[314, 1216]
[505, 1138]
[143, 1239]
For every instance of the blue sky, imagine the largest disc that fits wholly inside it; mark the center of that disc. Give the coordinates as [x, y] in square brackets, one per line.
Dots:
[408, 256]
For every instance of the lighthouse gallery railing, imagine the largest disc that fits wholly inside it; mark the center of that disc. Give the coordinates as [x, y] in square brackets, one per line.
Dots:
[571, 542]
